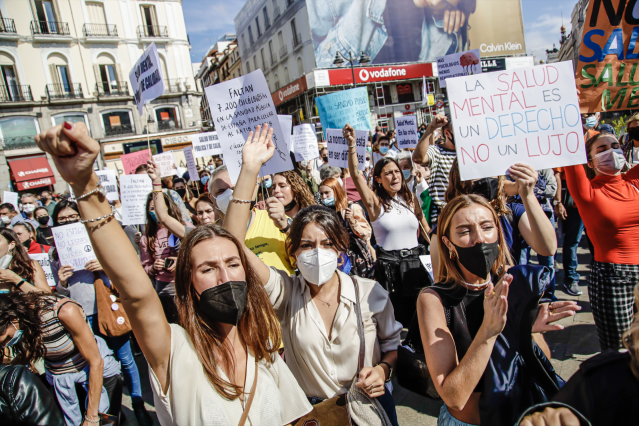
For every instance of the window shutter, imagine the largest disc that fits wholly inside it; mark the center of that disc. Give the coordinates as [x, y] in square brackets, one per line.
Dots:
[98, 78]
[55, 79]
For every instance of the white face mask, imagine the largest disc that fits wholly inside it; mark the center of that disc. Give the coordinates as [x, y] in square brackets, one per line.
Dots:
[223, 200]
[317, 266]
[341, 182]
[28, 208]
[5, 261]
[5, 219]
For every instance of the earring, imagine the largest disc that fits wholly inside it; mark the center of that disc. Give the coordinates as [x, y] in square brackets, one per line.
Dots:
[453, 256]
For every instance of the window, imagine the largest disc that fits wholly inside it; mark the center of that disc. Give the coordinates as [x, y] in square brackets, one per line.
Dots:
[168, 118]
[297, 38]
[243, 43]
[270, 50]
[250, 31]
[71, 118]
[60, 73]
[385, 93]
[300, 67]
[46, 17]
[117, 123]
[257, 25]
[248, 67]
[262, 55]
[405, 93]
[108, 76]
[277, 82]
[96, 13]
[255, 62]
[287, 77]
[267, 23]
[18, 132]
[149, 18]
[10, 88]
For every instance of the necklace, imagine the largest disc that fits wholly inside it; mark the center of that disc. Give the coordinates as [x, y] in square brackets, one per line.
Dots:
[331, 296]
[477, 286]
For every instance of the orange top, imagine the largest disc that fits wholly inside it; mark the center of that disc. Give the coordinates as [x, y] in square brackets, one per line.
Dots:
[609, 207]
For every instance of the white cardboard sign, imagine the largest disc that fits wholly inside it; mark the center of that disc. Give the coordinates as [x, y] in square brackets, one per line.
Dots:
[11, 198]
[458, 64]
[237, 106]
[406, 130]
[304, 142]
[73, 245]
[109, 182]
[286, 123]
[146, 77]
[190, 163]
[206, 144]
[166, 163]
[428, 264]
[134, 190]
[527, 115]
[43, 260]
[338, 148]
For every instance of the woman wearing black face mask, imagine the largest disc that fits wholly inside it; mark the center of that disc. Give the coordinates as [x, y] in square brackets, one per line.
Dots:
[462, 317]
[223, 364]
[26, 234]
[179, 186]
[44, 234]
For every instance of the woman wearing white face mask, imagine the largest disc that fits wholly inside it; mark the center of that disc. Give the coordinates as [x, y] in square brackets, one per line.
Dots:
[609, 206]
[317, 310]
[17, 271]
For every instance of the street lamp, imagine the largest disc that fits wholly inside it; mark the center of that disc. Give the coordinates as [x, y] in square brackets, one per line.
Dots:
[340, 59]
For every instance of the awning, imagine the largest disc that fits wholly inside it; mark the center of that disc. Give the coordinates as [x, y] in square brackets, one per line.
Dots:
[36, 183]
[30, 169]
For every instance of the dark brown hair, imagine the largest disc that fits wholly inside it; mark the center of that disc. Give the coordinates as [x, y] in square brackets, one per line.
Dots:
[323, 217]
[590, 172]
[152, 225]
[21, 263]
[258, 328]
[341, 201]
[380, 191]
[300, 190]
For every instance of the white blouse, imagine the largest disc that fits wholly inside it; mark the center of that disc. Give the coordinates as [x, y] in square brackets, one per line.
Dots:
[192, 400]
[326, 367]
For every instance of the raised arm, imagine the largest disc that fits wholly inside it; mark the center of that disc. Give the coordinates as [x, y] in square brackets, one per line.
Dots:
[74, 152]
[257, 150]
[534, 225]
[371, 202]
[161, 210]
[420, 155]
[578, 184]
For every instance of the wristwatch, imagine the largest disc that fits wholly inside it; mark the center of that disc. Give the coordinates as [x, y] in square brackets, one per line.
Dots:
[556, 202]
[288, 226]
[390, 371]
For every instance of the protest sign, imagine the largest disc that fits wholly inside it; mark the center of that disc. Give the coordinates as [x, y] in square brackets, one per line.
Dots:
[131, 161]
[406, 131]
[286, 123]
[146, 78]
[347, 106]
[428, 264]
[304, 142]
[43, 260]
[606, 70]
[457, 65]
[190, 163]
[527, 115]
[73, 245]
[166, 163]
[237, 106]
[109, 182]
[11, 198]
[206, 144]
[338, 148]
[134, 190]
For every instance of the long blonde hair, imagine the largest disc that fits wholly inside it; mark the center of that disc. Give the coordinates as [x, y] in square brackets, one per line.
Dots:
[631, 339]
[449, 269]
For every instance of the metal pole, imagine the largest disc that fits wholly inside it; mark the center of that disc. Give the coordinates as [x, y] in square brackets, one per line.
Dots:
[350, 59]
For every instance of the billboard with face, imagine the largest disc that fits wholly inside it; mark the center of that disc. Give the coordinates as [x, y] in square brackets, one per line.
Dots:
[414, 30]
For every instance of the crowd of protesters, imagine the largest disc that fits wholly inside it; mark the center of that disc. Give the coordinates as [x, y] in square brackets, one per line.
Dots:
[281, 299]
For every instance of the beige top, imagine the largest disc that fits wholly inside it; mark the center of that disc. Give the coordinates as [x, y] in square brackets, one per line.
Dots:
[192, 400]
[326, 367]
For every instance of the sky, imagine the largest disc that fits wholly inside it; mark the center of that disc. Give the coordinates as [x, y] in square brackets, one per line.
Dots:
[206, 20]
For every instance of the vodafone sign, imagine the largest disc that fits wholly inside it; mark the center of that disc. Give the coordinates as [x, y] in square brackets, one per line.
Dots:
[289, 91]
[374, 74]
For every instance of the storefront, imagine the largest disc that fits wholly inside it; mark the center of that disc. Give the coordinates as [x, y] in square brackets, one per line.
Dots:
[31, 174]
[289, 100]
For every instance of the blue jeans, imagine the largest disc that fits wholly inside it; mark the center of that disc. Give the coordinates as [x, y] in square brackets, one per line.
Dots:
[121, 345]
[573, 230]
[447, 419]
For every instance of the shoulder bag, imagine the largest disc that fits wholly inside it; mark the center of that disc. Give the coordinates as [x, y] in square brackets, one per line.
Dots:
[112, 320]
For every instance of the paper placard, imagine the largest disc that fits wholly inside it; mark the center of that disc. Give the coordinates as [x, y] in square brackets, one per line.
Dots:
[73, 245]
[131, 161]
[237, 106]
[134, 190]
[11, 198]
[206, 145]
[527, 115]
[166, 163]
[190, 163]
[406, 131]
[304, 143]
[338, 148]
[146, 77]
[110, 183]
[347, 106]
[428, 264]
[458, 64]
[43, 260]
[286, 123]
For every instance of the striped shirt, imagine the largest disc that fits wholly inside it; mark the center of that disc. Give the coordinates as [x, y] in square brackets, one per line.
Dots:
[62, 356]
[441, 161]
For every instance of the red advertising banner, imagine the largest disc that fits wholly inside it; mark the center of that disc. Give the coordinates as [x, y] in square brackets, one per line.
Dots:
[30, 168]
[37, 183]
[375, 74]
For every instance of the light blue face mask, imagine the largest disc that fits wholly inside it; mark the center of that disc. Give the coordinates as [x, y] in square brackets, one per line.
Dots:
[369, 149]
[591, 122]
[153, 216]
[16, 337]
[329, 201]
[267, 183]
[4, 291]
[205, 179]
[406, 174]
[383, 149]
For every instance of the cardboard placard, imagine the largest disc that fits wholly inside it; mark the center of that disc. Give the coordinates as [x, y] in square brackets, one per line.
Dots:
[43, 260]
[131, 161]
[406, 130]
[286, 123]
[73, 245]
[166, 163]
[457, 65]
[109, 182]
[134, 190]
[190, 163]
[11, 198]
[206, 145]
[304, 143]
[347, 106]
[338, 148]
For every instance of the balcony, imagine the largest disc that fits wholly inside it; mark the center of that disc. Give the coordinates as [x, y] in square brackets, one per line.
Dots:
[283, 52]
[273, 58]
[124, 129]
[175, 85]
[153, 31]
[56, 92]
[167, 125]
[276, 13]
[267, 23]
[265, 65]
[297, 40]
[16, 93]
[113, 88]
[99, 30]
[7, 26]
[50, 28]
[289, 3]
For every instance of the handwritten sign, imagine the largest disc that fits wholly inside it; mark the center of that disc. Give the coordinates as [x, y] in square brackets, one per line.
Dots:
[43, 260]
[338, 148]
[11, 198]
[406, 130]
[347, 106]
[527, 115]
[131, 161]
[428, 264]
[146, 77]
[206, 144]
[458, 64]
[305, 142]
[190, 162]
[166, 163]
[110, 183]
[237, 106]
[286, 123]
[134, 190]
[73, 245]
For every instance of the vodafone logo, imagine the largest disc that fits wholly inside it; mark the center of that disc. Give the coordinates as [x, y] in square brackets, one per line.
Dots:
[363, 75]
[288, 91]
[383, 73]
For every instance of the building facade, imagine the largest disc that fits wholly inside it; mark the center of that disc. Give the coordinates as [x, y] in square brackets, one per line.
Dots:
[571, 43]
[69, 60]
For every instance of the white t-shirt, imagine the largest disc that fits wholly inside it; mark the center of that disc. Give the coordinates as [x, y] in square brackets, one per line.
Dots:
[192, 400]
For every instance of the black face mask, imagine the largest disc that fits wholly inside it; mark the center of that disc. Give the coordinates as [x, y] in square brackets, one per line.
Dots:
[224, 303]
[27, 244]
[451, 138]
[487, 188]
[290, 206]
[634, 133]
[181, 191]
[325, 158]
[478, 259]
[43, 220]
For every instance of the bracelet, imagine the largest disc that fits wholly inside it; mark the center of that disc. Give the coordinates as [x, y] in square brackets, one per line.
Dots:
[95, 422]
[17, 286]
[235, 200]
[156, 184]
[157, 190]
[98, 188]
[99, 218]
[390, 370]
